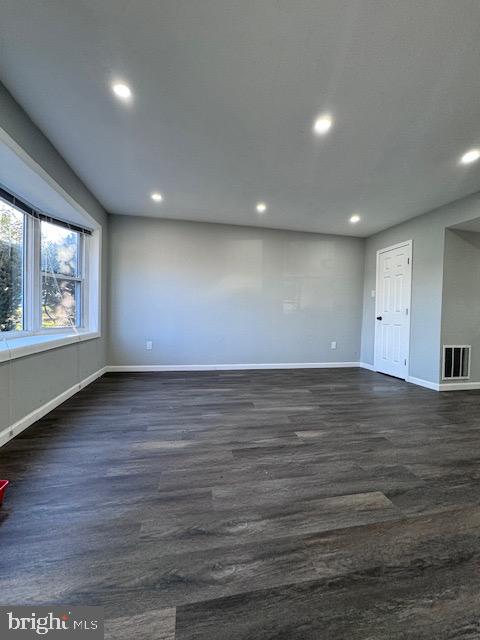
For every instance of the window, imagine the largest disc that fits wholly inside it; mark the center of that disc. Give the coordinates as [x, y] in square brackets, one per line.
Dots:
[60, 254]
[12, 232]
[44, 264]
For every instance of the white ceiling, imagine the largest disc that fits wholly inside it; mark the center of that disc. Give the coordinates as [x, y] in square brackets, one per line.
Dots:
[225, 93]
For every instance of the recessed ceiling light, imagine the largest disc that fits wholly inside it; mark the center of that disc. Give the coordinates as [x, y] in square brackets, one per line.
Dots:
[470, 156]
[157, 196]
[122, 90]
[355, 218]
[322, 124]
[261, 207]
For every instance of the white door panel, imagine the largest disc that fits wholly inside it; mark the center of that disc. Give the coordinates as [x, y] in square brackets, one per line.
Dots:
[392, 324]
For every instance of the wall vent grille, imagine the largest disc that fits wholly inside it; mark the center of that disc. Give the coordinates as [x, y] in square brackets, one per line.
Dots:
[456, 361]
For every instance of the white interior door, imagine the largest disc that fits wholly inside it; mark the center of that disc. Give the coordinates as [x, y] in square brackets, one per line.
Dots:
[392, 316]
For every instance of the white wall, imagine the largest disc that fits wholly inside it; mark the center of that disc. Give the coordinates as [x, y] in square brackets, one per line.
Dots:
[28, 383]
[461, 294]
[220, 294]
[428, 235]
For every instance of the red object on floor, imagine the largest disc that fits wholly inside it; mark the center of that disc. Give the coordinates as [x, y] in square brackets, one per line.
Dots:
[3, 485]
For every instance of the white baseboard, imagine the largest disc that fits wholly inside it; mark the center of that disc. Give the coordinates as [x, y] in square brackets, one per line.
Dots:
[231, 367]
[366, 365]
[19, 426]
[459, 386]
[424, 383]
[445, 386]
[418, 381]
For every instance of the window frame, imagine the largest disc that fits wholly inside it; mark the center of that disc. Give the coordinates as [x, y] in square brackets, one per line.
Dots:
[19, 333]
[87, 317]
[80, 285]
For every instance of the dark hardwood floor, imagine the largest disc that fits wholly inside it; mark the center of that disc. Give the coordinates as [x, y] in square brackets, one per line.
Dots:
[294, 505]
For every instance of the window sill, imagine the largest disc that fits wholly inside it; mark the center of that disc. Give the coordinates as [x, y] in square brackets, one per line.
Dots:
[13, 348]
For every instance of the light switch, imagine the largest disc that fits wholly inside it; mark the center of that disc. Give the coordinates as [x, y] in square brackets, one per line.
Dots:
[333, 345]
[148, 345]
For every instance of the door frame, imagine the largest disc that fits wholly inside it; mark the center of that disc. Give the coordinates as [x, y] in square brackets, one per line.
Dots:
[409, 244]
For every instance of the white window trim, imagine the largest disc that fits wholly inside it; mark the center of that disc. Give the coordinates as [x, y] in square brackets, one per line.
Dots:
[38, 342]
[18, 344]
[13, 348]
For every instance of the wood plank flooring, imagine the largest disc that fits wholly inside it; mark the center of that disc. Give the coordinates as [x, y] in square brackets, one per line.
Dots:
[251, 505]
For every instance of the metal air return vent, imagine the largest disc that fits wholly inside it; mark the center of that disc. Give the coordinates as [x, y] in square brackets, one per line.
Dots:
[456, 361]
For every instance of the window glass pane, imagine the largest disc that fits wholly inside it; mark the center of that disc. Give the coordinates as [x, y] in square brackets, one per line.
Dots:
[11, 268]
[59, 302]
[60, 250]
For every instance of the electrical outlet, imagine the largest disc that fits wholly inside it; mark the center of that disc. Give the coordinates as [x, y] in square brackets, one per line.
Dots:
[148, 345]
[333, 345]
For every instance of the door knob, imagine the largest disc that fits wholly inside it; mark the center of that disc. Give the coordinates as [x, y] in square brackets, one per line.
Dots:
[379, 317]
